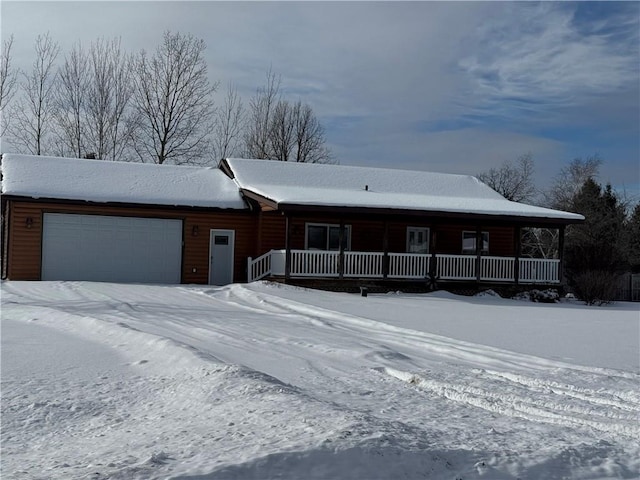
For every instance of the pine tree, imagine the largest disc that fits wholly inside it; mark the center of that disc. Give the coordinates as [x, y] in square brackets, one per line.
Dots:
[632, 239]
[594, 252]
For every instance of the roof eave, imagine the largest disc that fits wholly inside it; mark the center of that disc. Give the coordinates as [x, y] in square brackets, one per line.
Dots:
[475, 217]
[71, 201]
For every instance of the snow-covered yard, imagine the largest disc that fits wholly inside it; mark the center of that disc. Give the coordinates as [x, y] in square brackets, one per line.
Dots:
[265, 381]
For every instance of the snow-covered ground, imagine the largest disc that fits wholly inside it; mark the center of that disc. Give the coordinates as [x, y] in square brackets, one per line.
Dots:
[265, 381]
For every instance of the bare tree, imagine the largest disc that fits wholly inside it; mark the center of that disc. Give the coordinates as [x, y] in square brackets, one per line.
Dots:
[261, 107]
[109, 119]
[544, 242]
[513, 181]
[70, 98]
[309, 136]
[228, 125]
[280, 130]
[8, 78]
[33, 113]
[571, 179]
[173, 97]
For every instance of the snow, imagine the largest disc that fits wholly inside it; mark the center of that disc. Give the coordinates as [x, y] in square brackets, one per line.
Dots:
[103, 181]
[338, 185]
[267, 381]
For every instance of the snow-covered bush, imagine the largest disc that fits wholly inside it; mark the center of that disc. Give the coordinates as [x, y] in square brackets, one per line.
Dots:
[543, 296]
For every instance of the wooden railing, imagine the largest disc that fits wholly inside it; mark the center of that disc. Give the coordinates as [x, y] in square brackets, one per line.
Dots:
[534, 270]
[364, 264]
[260, 267]
[326, 264]
[408, 265]
[456, 267]
[498, 269]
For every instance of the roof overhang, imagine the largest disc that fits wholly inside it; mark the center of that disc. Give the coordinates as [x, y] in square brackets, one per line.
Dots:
[149, 206]
[426, 213]
[267, 204]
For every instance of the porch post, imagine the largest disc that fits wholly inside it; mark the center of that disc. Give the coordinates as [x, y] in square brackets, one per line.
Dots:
[341, 250]
[561, 253]
[433, 267]
[287, 246]
[518, 251]
[479, 246]
[385, 250]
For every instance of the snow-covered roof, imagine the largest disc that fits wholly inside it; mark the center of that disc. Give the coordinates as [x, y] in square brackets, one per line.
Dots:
[287, 183]
[104, 181]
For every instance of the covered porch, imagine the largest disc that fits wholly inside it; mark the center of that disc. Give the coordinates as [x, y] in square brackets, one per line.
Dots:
[403, 266]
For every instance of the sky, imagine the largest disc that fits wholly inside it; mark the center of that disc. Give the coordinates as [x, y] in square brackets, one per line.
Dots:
[454, 87]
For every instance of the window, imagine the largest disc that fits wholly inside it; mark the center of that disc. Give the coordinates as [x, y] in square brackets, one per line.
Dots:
[417, 240]
[321, 236]
[469, 242]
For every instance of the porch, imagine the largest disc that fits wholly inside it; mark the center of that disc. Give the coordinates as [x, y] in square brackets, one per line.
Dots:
[403, 266]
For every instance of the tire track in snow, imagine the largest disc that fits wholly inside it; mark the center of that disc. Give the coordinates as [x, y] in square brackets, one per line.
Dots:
[447, 347]
[514, 404]
[624, 400]
[612, 411]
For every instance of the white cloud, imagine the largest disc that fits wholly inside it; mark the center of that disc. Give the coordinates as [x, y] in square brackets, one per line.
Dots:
[465, 85]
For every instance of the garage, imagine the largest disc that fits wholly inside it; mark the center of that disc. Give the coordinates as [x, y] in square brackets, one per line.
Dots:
[111, 248]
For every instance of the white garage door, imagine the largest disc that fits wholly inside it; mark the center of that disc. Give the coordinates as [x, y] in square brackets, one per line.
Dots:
[111, 249]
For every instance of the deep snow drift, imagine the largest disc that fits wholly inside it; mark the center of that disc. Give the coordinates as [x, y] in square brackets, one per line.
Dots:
[264, 381]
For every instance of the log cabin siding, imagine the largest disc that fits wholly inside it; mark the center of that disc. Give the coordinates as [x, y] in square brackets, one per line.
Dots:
[24, 244]
[449, 239]
[367, 235]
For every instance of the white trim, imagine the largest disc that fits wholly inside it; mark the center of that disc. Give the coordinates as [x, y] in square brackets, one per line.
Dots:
[427, 232]
[328, 225]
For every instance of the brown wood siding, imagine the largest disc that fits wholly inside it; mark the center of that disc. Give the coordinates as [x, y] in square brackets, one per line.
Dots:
[272, 232]
[368, 234]
[25, 244]
[449, 239]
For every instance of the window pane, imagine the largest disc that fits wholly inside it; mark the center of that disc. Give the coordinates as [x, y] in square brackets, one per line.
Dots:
[469, 242]
[316, 237]
[334, 238]
[485, 242]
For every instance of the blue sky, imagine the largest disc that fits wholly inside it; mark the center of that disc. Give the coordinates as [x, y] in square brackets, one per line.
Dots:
[454, 87]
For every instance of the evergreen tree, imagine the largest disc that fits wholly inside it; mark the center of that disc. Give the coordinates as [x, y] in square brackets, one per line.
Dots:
[632, 239]
[594, 252]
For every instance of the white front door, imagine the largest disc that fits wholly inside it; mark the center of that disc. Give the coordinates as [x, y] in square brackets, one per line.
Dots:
[417, 240]
[221, 245]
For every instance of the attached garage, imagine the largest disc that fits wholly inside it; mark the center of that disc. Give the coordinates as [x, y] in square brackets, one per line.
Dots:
[111, 249]
[76, 219]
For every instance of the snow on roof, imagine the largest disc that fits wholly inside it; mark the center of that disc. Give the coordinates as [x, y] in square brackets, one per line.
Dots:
[104, 181]
[337, 185]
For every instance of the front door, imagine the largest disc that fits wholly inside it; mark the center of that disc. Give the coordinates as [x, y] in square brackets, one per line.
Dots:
[221, 243]
[417, 240]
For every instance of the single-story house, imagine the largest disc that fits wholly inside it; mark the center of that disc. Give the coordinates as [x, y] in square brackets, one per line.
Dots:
[75, 219]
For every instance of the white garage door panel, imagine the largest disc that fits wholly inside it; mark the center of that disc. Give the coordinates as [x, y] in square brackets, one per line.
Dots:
[111, 249]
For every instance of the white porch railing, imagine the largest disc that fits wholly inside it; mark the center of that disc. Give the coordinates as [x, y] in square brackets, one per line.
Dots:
[499, 269]
[325, 264]
[408, 265]
[534, 270]
[314, 263]
[364, 264]
[260, 267]
[456, 267]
